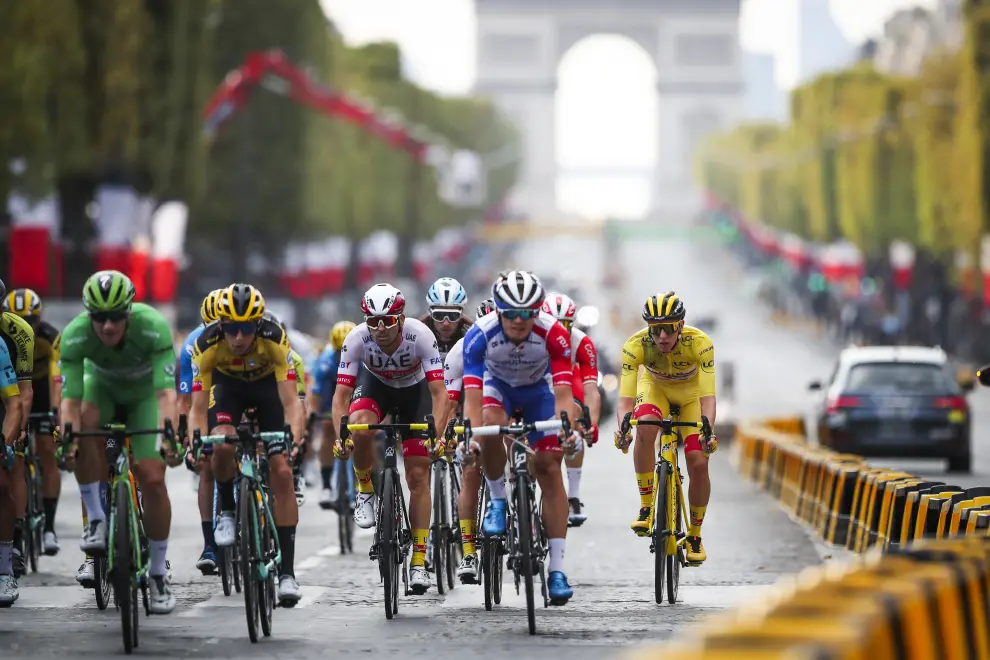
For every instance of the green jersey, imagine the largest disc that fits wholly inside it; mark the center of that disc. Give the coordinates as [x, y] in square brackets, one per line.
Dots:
[146, 357]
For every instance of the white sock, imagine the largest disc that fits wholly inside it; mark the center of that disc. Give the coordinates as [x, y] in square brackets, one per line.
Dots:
[90, 494]
[557, 554]
[157, 550]
[573, 483]
[6, 557]
[496, 488]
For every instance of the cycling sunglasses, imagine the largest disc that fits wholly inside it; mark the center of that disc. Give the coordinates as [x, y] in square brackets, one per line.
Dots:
[246, 328]
[669, 328]
[449, 315]
[524, 314]
[112, 317]
[382, 321]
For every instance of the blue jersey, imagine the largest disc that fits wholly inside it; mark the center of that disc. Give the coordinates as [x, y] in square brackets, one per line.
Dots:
[8, 377]
[324, 372]
[185, 371]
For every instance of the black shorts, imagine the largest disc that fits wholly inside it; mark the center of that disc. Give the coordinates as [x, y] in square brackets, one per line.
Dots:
[230, 397]
[42, 402]
[411, 404]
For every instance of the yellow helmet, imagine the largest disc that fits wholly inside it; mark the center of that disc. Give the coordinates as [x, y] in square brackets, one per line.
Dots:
[241, 302]
[23, 302]
[208, 312]
[663, 307]
[339, 333]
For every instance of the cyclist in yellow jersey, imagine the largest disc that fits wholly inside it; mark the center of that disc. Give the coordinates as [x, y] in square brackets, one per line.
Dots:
[678, 368]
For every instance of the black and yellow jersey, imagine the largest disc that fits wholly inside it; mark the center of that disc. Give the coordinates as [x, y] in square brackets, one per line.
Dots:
[691, 364]
[46, 351]
[19, 337]
[270, 353]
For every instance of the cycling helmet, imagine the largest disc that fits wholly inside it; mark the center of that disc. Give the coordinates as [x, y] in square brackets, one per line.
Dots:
[560, 306]
[486, 307]
[383, 300]
[208, 311]
[108, 291]
[519, 289]
[446, 293]
[23, 302]
[241, 302]
[339, 333]
[663, 307]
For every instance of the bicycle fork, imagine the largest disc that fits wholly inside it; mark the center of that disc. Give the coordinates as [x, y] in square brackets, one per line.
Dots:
[672, 538]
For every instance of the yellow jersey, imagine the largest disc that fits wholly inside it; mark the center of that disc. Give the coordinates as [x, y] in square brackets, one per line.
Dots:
[690, 365]
[19, 337]
[270, 353]
[46, 351]
[299, 367]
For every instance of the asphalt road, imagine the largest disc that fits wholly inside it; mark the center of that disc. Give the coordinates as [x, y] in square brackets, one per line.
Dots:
[750, 541]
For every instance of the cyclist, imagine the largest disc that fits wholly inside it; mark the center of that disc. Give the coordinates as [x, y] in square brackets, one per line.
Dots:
[299, 369]
[520, 359]
[584, 387]
[467, 502]
[445, 318]
[18, 335]
[324, 383]
[679, 368]
[403, 371]
[207, 562]
[242, 361]
[11, 417]
[118, 356]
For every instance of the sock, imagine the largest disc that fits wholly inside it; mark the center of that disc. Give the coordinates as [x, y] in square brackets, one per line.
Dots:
[364, 484]
[50, 504]
[419, 537]
[327, 474]
[157, 551]
[208, 541]
[6, 557]
[695, 518]
[645, 481]
[496, 487]
[19, 533]
[467, 537]
[287, 543]
[103, 498]
[226, 492]
[573, 483]
[557, 554]
[90, 494]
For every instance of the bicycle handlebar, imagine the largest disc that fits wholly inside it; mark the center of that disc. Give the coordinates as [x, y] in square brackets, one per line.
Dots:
[667, 425]
[120, 430]
[516, 428]
[429, 426]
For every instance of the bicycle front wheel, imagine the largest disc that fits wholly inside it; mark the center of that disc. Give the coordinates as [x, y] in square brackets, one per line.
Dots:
[247, 534]
[676, 526]
[124, 565]
[387, 547]
[439, 523]
[455, 551]
[345, 517]
[660, 527]
[524, 562]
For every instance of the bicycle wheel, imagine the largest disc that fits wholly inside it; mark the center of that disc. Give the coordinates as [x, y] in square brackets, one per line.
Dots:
[35, 517]
[455, 551]
[124, 565]
[674, 560]
[234, 562]
[387, 548]
[524, 560]
[247, 533]
[101, 574]
[223, 565]
[659, 535]
[438, 524]
[498, 552]
[345, 519]
[266, 587]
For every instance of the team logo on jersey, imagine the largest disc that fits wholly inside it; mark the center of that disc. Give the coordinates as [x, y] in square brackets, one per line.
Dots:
[170, 369]
[184, 387]
[195, 370]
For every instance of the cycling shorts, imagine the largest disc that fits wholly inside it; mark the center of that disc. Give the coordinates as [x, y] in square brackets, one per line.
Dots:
[653, 398]
[124, 402]
[536, 402]
[412, 404]
[230, 397]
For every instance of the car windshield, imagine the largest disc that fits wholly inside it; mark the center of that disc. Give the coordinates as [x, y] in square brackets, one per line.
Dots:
[900, 377]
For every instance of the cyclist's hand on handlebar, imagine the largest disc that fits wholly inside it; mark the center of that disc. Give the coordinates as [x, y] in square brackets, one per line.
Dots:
[709, 443]
[343, 450]
[190, 460]
[590, 435]
[448, 433]
[435, 447]
[623, 441]
[297, 450]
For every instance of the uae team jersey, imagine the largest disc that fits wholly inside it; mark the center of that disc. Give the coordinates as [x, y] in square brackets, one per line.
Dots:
[546, 351]
[416, 357]
[453, 371]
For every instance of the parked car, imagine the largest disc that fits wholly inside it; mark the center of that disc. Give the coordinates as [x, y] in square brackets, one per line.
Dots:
[895, 401]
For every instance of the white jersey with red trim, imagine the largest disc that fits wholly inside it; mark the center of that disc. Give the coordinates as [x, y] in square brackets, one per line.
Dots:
[453, 370]
[547, 350]
[416, 357]
[584, 358]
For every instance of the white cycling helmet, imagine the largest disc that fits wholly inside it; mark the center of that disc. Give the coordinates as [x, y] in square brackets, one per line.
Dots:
[560, 306]
[446, 293]
[383, 300]
[519, 289]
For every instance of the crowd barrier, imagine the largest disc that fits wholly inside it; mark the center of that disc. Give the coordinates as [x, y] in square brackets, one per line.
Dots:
[917, 589]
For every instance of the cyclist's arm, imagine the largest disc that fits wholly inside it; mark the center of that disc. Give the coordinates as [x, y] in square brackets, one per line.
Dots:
[288, 392]
[632, 359]
[706, 378]
[474, 374]
[55, 373]
[72, 391]
[587, 359]
[351, 356]
[433, 368]
[163, 370]
[10, 393]
[203, 359]
[300, 369]
[561, 371]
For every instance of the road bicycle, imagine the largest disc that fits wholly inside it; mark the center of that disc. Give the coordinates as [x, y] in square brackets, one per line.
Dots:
[343, 479]
[393, 535]
[667, 535]
[445, 533]
[39, 424]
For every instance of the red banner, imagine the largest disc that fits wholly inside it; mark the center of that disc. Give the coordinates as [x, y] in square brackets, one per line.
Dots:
[29, 254]
[164, 279]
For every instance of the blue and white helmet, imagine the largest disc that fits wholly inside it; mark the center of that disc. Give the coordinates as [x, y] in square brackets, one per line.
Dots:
[446, 293]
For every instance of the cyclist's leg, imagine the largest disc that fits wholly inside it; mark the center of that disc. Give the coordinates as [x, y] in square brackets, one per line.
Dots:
[328, 464]
[19, 491]
[228, 400]
[368, 406]
[651, 405]
[51, 477]
[575, 463]
[91, 465]
[699, 484]
[495, 410]
[467, 511]
[413, 405]
[207, 561]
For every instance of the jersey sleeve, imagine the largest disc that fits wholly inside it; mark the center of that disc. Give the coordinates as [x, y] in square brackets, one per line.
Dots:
[587, 359]
[55, 359]
[22, 334]
[429, 353]
[203, 360]
[559, 352]
[351, 356]
[453, 372]
[186, 367]
[162, 350]
[474, 351]
[705, 351]
[632, 359]
[281, 355]
[299, 368]
[8, 377]
[71, 349]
